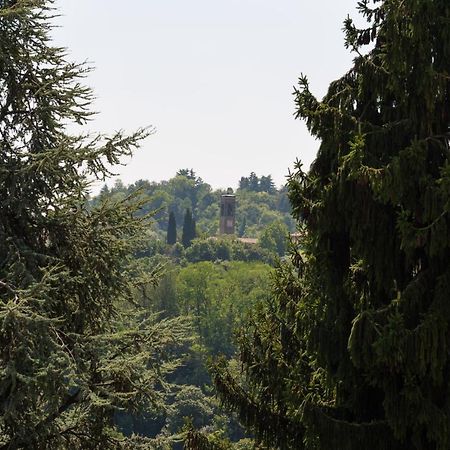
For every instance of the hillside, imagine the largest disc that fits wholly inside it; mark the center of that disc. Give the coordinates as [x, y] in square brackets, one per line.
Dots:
[259, 203]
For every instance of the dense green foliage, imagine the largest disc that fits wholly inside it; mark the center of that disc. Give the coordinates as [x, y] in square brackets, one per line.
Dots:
[73, 349]
[217, 296]
[352, 351]
[229, 248]
[274, 238]
[255, 210]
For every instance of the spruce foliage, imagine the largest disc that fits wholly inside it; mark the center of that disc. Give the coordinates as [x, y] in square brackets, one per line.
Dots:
[353, 349]
[172, 229]
[73, 350]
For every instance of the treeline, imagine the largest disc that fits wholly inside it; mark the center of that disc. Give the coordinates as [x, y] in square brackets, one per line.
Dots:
[272, 245]
[259, 204]
[257, 184]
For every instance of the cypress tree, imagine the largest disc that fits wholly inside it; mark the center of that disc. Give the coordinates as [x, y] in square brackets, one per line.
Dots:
[353, 350]
[172, 229]
[188, 229]
[72, 349]
[193, 229]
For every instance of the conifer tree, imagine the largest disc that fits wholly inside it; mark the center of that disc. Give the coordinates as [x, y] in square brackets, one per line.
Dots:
[188, 229]
[172, 229]
[266, 184]
[72, 350]
[353, 350]
[243, 183]
[253, 182]
[193, 229]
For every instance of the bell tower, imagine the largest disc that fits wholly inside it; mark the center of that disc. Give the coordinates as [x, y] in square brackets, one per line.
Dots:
[227, 212]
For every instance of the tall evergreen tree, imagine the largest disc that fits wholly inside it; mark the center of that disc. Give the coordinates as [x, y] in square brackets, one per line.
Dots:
[188, 229]
[253, 182]
[72, 350]
[266, 184]
[193, 229]
[353, 350]
[172, 229]
[243, 183]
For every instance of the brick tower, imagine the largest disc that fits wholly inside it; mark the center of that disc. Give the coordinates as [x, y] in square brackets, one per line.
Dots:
[227, 212]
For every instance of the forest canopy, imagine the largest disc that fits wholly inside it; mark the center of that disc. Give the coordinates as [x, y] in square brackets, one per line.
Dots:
[257, 207]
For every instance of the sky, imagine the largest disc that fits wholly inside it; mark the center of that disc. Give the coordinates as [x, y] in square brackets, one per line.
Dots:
[214, 77]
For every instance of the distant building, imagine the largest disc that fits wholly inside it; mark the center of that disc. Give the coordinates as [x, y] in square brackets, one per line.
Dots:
[227, 212]
[247, 240]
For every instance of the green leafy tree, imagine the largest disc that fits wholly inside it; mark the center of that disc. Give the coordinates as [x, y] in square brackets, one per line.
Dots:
[275, 238]
[217, 295]
[73, 349]
[172, 229]
[352, 351]
[158, 200]
[226, 249]
[187, 186]
[201, 250]
[190, 402]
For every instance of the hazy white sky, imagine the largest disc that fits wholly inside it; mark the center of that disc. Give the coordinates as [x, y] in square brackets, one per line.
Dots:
[215, 77]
